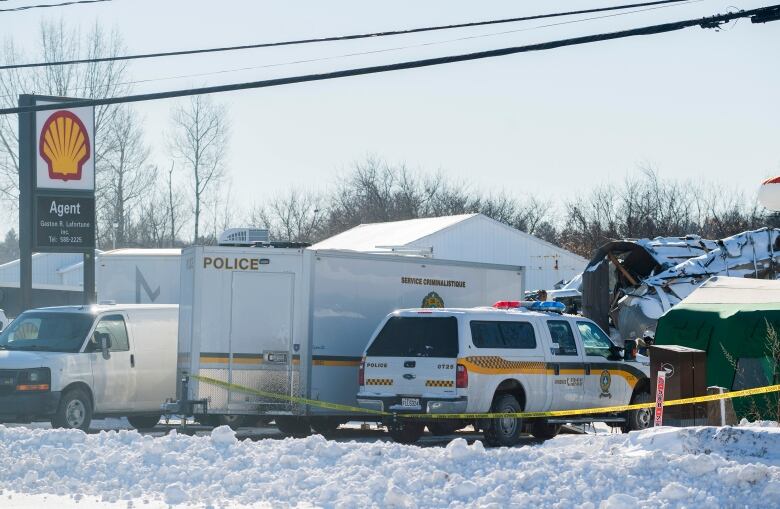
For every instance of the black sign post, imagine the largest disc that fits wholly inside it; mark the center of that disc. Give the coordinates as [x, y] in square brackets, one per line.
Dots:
[57, 189]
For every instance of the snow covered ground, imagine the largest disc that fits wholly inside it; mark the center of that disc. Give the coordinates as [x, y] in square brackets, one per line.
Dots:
[664, 467]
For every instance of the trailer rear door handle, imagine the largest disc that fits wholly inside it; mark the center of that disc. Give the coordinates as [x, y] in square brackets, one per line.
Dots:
[132, 360]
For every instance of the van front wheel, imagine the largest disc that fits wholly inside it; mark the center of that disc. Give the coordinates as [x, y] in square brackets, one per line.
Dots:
[141, 422]
[504, 432]
[74, 411]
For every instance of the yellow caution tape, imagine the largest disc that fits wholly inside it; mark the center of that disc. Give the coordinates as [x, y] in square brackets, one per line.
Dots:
[493, 415]
[291, 399]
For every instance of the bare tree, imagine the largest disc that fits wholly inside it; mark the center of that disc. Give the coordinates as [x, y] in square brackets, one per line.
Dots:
[199, 140]
[646, 206]
[174, 205]
[58, 41]
[297, 216]
[126, 177]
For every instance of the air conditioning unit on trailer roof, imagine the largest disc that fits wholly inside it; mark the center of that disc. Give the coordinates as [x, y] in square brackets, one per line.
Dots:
[242, 236]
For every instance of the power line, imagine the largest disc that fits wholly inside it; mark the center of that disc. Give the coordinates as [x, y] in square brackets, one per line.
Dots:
[372, 52]
[760, 15]
[44, 6]
[330, 39]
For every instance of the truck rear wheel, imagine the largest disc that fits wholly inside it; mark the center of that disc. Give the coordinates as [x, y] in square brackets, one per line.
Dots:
[406, 432]
[74, 411]
[504, 432]
[641, 418]
[544, 430]
[297, 427]
[143, 421]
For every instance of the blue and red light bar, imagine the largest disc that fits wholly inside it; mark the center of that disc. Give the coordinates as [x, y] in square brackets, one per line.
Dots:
[531, 305]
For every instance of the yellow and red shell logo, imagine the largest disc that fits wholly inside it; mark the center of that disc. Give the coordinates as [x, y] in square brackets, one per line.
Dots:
[64, 145]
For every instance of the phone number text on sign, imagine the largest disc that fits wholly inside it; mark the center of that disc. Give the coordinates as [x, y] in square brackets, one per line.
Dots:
[65, 223]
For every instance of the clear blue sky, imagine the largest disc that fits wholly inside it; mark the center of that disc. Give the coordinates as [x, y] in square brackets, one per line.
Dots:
[696, 104]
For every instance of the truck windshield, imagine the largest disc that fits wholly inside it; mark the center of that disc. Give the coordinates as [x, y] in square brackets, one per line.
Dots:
[417, 337]
[49, 332]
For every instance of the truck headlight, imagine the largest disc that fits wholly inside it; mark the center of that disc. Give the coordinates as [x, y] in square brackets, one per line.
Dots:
[38, 379]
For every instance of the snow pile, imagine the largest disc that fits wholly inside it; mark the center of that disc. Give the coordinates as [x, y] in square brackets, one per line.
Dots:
[664, 467]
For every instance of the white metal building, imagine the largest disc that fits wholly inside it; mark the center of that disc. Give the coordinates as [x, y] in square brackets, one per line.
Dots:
[47, 271]
[119, 274]
[467, 237]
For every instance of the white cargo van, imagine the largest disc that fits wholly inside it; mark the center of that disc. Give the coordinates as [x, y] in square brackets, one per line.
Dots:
[295, 322]
[74, 363]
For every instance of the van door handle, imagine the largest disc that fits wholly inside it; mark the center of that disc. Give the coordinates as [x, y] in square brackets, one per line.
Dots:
[557, 369]
[587, 369]
[132, 360]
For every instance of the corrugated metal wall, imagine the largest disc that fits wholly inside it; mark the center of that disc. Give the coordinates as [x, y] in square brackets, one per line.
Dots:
[481, 239]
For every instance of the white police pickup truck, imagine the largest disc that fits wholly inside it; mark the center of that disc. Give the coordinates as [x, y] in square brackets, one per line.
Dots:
[509, 358]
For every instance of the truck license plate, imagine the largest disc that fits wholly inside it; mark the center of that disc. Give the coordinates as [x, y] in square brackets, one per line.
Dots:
[410, 402]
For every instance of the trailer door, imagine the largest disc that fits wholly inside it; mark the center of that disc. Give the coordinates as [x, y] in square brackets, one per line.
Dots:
[261, 331]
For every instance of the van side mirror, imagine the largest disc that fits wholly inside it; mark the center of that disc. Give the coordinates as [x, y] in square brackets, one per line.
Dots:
[556, 349]
[104, 340]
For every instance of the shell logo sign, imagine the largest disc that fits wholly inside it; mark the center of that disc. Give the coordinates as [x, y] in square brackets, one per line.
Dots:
[64, 145]
[65, 149]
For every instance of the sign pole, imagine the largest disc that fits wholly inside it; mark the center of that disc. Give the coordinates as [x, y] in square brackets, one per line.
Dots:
[57, 188]
[89, 277]
[26, 187]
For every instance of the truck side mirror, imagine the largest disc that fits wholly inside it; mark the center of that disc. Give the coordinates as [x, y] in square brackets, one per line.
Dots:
[628, 352]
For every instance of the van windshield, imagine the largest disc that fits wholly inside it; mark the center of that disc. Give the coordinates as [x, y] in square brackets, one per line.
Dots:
[49, 332]
[404, 336]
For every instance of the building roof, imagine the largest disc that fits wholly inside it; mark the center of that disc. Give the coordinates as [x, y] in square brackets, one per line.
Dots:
[385, 236]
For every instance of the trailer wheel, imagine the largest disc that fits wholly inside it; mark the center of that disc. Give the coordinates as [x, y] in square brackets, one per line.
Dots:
[74, 411]
[142, 422]
[545, 431]
[325, 425]
[406, 432]
[297, 427]
[504, 432]
[641, 418]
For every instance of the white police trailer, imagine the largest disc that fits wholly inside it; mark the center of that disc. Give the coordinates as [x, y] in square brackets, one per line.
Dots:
[294, 321]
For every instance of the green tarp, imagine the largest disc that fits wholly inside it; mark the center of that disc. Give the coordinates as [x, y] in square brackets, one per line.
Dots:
[734, 336]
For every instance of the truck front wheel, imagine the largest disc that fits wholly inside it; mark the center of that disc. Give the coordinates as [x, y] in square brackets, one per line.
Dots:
[504, 432]
[74, 411]
[641, 418]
